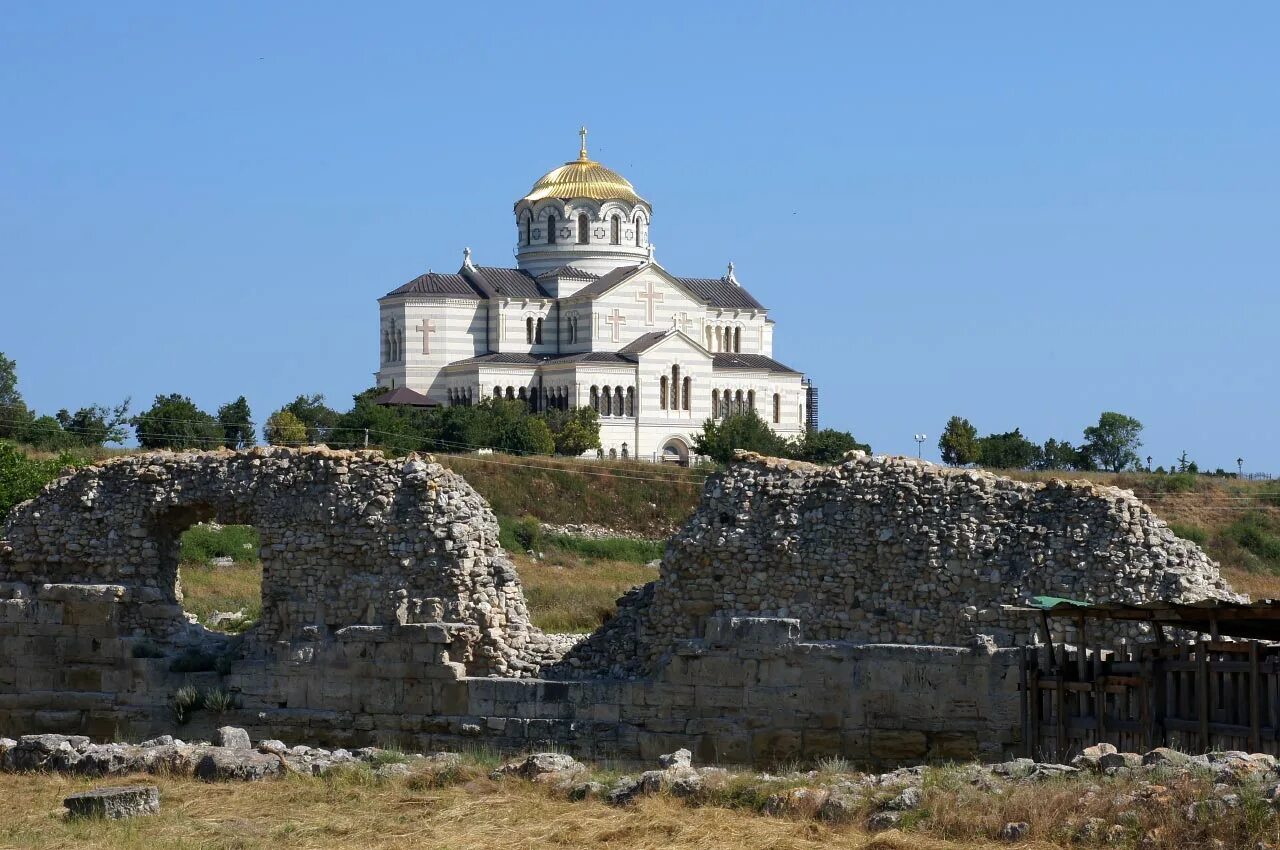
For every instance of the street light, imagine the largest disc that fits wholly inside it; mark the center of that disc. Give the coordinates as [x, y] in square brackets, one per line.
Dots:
[1148, 463]
[920, 438]
[1240, 466]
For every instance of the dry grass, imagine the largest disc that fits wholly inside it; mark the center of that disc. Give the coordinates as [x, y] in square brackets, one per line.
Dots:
[565, 592]
[571, 593]
[206, 589]
[354, 811]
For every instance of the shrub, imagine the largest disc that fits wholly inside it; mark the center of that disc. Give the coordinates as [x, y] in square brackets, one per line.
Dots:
[1194, 533]
[201, 543]
[186, 700]
[520, 535]
[1259, 535]
[147, 649]
[609, 548]
[23, 478]
[194, 661]
[217, 700]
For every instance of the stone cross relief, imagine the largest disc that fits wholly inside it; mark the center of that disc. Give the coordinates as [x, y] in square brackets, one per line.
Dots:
[426, 327]
[682, 322]
[650, 296]
[616, 320]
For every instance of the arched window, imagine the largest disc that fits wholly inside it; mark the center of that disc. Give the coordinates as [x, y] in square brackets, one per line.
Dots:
[638, 220]
[551, 229]
[688, 387]
[675, 387]
[537, 331]
[715, 404]
[511, 393]
[624, 451]
[710, 339]
[751, 399]
[631, 402]
[662, 393]
[615, 230]
[737, 339]
[595, 399]
[619, 402]
[528, 226]
[606, 403]
[528, 329]
[737, 402]
[523, 394]
[584, 229]
[497, 392]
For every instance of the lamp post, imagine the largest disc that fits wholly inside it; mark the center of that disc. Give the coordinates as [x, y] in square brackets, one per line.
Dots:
[1240, 467]
[920, 438]
[1148, 463]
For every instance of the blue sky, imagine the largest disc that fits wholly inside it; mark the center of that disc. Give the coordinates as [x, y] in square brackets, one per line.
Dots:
[1020, 213]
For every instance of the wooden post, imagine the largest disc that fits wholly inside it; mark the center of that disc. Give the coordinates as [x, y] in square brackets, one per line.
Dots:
[1202, 695]
[1060, 746]
[1023, 683]
[1255, 700]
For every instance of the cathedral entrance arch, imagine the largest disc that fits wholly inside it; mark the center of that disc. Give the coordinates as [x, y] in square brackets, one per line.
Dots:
[675, 450]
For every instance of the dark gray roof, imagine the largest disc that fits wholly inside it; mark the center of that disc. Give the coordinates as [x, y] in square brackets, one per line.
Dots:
[570, 271]
[643, 342]
[519, 359]
[404, 396]
[748, 361]
[431, 283]
[504, 283]
[719, 292]
[609, 281]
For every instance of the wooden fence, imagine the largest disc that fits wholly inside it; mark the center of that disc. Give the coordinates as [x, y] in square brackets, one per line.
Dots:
[1195, 697]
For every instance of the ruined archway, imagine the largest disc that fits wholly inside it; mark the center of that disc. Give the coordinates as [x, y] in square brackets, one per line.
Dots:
[349, 539]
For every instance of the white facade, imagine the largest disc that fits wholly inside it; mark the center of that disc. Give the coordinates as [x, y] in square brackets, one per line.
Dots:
[586, 311]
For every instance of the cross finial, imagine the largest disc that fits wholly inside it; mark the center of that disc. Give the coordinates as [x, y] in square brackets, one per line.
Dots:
[582, 150]
[466, 258]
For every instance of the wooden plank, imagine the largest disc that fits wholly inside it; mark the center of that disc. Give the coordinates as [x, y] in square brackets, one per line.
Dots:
[1202, 698]
[1255, 700]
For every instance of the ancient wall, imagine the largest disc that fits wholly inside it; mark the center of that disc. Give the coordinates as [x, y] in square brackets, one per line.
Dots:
[348, 538]
[391, 616]
[894, 550]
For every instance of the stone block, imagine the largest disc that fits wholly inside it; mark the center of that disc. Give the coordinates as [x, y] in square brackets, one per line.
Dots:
[736, 632]
[822, 742]
[953, 746]
[894, 745]
[775, 745]
[114, 803]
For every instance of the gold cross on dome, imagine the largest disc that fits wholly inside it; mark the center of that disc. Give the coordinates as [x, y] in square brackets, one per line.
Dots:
[582, 150]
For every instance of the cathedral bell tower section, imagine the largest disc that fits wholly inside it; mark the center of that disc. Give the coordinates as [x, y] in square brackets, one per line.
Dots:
[582, 215]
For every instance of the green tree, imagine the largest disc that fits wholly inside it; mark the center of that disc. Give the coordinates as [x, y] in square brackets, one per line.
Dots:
[398, 430]
[96, 425]
[1061, 455]
[316, 416]
[825, 446]
[285, 429]
[1113, 443]
[1010, 450]
[47, 434]
[959, 442]
[748, 431]
[236, 422]
[575, 431]
[174, 422]
[21, 477]
[15, 417]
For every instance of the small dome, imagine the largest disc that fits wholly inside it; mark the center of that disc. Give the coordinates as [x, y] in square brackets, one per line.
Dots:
[584, 178]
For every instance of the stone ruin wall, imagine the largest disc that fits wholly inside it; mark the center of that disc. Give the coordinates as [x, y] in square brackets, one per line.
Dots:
[895, 550]
[392, 617]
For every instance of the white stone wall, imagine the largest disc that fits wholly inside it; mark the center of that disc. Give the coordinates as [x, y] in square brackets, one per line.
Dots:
[630, 301]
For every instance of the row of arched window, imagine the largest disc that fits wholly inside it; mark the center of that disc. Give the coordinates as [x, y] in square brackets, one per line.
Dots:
[392, 342]
[571, 328]
[583, 230]
[461, 396]
[674, 394]
[533, 330]
[613, 401]
[724, 339]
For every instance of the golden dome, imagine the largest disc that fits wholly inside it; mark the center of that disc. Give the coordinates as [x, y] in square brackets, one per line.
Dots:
[584, 178]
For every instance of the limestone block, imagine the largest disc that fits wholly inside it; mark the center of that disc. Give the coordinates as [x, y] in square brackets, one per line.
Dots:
[114, 803]
[775, 745]
[894, 745]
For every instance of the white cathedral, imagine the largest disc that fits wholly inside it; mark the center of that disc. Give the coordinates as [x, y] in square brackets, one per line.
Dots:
[589, 317]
